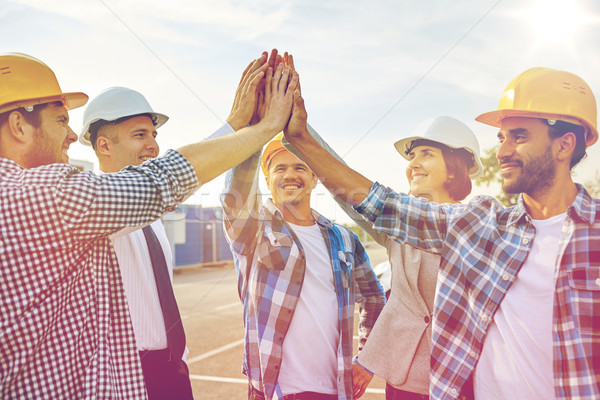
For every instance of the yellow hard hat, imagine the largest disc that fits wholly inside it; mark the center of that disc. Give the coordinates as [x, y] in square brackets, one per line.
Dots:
[549, 94]
[273, 148]
[26, 81]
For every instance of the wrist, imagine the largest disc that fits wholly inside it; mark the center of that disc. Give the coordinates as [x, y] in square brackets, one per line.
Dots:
[235, 123]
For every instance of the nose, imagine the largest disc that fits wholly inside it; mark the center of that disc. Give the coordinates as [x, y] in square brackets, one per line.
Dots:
[71, 136]
[504, 150]
[152, 144]
[414, 163]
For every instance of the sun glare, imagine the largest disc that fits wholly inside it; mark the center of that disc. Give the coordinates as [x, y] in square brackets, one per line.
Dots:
[556, 20]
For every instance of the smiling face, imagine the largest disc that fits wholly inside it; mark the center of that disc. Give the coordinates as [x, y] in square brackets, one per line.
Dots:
[525, 155]
[290, 181]
[427, 174]
[130, 142]
[51, 140]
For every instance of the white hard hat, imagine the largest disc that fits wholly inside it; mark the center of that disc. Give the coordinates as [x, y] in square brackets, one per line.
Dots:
[449, 131]
[114, 103]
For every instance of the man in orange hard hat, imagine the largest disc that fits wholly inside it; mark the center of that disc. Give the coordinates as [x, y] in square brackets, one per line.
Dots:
[299, 277]
[65, 326]
[517, 313]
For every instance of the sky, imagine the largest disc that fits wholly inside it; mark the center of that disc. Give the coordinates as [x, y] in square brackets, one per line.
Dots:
[371, 71]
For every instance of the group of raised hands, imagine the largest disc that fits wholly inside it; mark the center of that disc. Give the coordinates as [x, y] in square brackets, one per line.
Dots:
[269, 94]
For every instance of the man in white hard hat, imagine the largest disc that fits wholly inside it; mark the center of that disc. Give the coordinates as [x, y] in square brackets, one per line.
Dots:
[121, 126]
[65, 325]
[517, 308]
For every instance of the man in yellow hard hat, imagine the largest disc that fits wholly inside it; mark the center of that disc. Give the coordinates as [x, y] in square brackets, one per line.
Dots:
[517, 313]
[65, 327]
[299, 277]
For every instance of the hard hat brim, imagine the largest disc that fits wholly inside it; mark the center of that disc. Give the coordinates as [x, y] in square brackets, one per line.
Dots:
[403, 144]
[494, 118]
[84, 137]
[71, 101]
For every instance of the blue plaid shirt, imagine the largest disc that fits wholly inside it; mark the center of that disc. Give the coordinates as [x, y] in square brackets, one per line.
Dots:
[483, 246]
[270, 263]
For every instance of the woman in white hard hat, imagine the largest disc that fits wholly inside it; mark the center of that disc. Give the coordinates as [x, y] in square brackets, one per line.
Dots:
[444, 157]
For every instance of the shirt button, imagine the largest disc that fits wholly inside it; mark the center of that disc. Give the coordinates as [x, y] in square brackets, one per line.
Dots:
[276, 367]
[525, 240]
[472, 354]
[598, 281]
[426, 319]
[484, 318]
[453, 392]
[505, 277]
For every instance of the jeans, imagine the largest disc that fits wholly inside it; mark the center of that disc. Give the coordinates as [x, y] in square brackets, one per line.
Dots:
[391, 393]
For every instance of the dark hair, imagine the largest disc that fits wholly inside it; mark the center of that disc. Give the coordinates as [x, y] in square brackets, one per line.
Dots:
[458, 163]
[32, 117]
[559, 128]
[97, 125]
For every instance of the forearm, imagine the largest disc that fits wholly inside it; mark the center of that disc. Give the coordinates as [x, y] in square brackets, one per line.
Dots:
[338, 178]
[210, 158]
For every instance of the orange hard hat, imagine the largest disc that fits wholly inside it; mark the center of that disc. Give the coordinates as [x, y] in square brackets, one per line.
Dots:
[273, 148]
[26, 81]
[549, 94]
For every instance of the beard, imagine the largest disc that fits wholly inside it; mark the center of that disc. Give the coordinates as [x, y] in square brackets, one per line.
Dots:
[536, 176]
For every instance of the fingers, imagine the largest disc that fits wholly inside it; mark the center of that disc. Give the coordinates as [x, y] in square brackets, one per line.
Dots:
[253, 66]
[273, 59]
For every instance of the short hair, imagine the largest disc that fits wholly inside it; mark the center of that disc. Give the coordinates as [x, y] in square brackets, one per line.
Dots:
[557, 128]
[458, 163]
[96, 126]
[32, 117]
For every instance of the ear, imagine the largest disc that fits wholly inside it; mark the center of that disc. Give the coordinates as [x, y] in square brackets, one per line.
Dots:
[565, 146]
[315, 180]
[104, 146]
[19, 129]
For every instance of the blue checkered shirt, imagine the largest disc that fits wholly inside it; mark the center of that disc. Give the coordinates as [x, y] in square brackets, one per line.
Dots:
[483, 246]
[65, 331]
[270, 264]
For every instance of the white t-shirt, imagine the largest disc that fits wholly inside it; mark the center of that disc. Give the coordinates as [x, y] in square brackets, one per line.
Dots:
[516, 359]
[309, 351]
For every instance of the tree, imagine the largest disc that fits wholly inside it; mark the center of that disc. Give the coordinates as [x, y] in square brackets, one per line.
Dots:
[491, 174]
[593, 185]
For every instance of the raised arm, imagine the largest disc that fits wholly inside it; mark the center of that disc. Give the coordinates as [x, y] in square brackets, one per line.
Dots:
[341, 180]
[210, 158]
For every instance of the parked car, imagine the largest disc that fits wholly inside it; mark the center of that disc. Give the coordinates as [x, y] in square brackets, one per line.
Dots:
[383, 271]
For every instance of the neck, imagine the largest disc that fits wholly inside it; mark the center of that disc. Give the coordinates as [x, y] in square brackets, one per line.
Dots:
[553, 201]
[297, 214]
[106, 166]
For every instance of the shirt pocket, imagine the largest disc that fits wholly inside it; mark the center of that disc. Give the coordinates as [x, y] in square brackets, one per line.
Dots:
[586, 282]
[274, 249]
[346, 261]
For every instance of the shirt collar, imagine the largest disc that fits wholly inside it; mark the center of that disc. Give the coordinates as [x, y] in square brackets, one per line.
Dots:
[274, 211]
[583, 208]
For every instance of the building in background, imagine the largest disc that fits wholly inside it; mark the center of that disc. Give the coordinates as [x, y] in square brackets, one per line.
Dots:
[196, 236]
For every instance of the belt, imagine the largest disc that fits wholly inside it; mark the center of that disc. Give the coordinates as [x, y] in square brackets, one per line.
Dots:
[298, 396]
[310, 396]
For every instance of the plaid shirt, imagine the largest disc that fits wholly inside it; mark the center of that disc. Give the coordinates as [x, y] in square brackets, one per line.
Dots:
[483, 246]
[270, 264]
[65, 331]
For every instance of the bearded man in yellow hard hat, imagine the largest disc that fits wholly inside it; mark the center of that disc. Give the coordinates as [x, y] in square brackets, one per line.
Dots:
[65, 326]
[517, 313]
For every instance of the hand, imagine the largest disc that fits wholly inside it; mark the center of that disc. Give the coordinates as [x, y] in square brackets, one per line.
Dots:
[279, 96]
[297, 128]
[261, 108]
[360, 380]
[246, 95]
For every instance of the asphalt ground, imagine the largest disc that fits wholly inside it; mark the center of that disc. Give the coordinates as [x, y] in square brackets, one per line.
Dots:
[212, 318]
